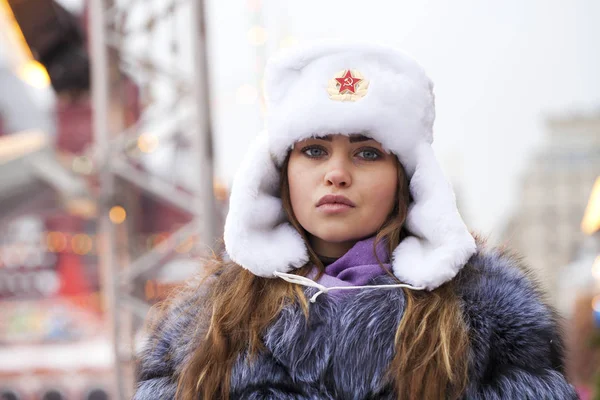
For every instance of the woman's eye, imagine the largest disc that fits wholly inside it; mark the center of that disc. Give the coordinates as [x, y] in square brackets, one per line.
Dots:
[369, 154]
[314, 152]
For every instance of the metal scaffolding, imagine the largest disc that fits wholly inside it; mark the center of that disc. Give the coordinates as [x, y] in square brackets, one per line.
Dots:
[116, 30]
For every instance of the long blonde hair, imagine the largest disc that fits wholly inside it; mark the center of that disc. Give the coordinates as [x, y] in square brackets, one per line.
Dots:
[431, 342]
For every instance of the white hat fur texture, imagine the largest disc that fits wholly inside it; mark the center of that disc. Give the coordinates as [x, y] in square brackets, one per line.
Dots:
[397, 110]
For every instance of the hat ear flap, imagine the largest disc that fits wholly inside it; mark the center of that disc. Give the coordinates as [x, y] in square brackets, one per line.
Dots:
[441, 244]
[257, 234]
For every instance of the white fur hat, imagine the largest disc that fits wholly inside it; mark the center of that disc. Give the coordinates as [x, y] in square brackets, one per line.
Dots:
[342, 88]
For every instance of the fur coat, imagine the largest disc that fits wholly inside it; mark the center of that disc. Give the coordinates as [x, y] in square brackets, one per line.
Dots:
[344, 348]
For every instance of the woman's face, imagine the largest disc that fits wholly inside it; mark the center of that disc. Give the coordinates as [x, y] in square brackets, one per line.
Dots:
[342, 189]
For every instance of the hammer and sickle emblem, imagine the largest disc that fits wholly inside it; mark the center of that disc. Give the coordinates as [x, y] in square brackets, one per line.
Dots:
[343, 87]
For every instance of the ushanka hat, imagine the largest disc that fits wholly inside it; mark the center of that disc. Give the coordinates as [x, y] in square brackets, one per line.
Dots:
[343, 88]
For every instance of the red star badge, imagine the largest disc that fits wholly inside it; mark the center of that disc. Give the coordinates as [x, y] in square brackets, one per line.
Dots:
[348, 83]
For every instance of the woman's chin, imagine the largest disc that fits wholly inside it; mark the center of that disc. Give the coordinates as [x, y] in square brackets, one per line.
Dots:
[342, 236]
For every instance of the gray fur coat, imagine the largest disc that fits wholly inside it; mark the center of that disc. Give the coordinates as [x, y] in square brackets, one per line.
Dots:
[343, 350]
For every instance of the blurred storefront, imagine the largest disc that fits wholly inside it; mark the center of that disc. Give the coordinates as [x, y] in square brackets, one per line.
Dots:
[63, 316]
[53, 339]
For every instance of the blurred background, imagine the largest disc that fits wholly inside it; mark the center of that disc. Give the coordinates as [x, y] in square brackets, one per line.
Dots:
[122, 123]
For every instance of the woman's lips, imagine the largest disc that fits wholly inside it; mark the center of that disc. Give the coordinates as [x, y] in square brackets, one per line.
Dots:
[334, 204]
[334, 208]
[335, 199]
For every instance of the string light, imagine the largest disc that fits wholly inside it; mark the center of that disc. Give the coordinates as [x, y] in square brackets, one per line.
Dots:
[56, 242]
[117, 215]
[34, 73]
[81, 244]
[82, 207]
[147, 142]
[591, 219]
[29, 70]
[220, 190]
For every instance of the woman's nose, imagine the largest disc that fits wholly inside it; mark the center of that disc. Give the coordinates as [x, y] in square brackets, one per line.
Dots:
[338, 175]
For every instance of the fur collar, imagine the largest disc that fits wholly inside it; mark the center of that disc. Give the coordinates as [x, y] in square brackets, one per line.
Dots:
[343, 350]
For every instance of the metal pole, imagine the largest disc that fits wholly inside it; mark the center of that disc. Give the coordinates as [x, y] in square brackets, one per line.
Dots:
[201, 134]
[111, 150]
[101, 98]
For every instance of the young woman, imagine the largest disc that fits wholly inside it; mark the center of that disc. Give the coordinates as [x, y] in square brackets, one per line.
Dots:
[349, 273]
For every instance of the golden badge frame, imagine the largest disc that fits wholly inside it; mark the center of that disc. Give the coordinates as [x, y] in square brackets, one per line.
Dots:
[362, 87]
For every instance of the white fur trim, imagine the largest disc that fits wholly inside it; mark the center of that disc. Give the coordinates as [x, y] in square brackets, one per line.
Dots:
[257, 234]
[441, 244]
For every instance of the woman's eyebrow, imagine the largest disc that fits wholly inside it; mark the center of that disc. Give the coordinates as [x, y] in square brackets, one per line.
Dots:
[353, 138]
[359, 138]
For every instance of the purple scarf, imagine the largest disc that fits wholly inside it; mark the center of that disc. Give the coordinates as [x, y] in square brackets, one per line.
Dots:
[355, 268]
